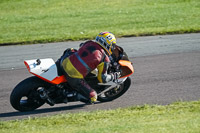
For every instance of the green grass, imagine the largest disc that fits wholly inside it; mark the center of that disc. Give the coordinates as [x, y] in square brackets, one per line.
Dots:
[37, 21]
[180, 117]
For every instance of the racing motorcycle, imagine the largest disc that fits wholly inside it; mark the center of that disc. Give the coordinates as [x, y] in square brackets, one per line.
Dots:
[49, 85]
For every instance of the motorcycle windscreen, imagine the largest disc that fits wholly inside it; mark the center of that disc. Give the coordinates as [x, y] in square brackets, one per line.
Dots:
[126, 67]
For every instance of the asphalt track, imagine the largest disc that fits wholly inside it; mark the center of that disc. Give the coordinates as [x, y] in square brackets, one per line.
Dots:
[167, 69]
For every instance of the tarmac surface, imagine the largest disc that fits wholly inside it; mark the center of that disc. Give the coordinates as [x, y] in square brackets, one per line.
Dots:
[167, 70]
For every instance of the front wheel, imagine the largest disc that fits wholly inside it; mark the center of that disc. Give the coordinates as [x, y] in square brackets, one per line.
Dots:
[115, 92]
[25, 96]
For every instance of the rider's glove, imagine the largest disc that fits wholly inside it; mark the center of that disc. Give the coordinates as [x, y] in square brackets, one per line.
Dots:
[116, 75]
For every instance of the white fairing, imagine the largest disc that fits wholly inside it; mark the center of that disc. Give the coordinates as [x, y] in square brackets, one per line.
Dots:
[46, 69]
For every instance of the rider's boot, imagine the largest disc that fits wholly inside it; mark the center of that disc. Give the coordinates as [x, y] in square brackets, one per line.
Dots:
[80, 97]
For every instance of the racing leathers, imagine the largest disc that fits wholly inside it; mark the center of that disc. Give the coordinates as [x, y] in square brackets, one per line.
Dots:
[78, 65]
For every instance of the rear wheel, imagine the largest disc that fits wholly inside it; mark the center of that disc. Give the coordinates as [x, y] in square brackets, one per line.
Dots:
[115, 92]
[25, 96]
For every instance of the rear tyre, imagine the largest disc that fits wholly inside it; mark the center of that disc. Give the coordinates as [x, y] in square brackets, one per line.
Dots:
[115, 92]
[25, 96]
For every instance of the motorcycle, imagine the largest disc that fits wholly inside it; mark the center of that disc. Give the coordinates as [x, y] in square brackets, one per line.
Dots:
[49, 85]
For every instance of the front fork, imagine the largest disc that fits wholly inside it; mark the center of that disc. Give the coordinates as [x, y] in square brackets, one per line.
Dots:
[112, 85]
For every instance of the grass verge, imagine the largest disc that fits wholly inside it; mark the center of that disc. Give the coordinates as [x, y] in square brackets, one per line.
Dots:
[39, 21]
[180, 117]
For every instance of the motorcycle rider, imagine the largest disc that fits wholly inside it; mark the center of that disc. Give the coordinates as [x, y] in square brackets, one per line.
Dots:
[91, 55]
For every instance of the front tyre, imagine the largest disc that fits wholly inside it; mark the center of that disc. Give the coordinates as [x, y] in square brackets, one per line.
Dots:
[25, 96]
[115, 92]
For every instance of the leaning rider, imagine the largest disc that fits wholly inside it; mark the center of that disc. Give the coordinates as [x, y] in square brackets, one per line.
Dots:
[91, 55]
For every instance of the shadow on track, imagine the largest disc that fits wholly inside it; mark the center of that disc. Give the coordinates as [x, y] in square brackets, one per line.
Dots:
[40, 111]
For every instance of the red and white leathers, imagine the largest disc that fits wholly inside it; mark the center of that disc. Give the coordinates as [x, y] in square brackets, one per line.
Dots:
[90, 56]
